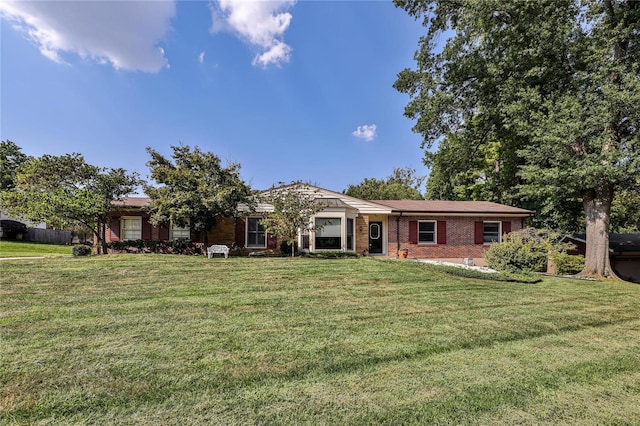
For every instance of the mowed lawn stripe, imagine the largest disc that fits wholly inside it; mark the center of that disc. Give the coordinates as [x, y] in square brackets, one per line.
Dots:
[146, 339]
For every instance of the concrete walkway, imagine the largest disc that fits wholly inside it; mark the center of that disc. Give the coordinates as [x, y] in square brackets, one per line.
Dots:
[459, 265]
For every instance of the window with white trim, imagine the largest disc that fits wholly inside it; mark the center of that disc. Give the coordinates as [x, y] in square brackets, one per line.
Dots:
[256, 235]
[131, 228]
[491, 232]
[427, 232]
[179, 232]
[328, 233]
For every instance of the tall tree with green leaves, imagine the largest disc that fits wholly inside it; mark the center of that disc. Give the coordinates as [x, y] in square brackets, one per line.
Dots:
[403, 184]
[543, 94]
[195, 190]
[293, 207]
[11, 157]
[66, 191]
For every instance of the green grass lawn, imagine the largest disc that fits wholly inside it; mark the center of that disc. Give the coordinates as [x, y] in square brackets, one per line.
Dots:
[25, 249]
[152, 339]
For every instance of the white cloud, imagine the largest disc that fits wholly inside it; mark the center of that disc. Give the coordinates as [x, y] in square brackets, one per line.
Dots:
[366, 132]
[259, 23]
[201, 57]
[123, 33]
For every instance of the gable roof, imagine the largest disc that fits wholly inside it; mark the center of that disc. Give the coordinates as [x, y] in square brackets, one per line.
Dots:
[336, 199]
[453, 207]
[132, 202]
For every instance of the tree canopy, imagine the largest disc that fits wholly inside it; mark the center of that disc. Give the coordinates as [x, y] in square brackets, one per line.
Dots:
[531, 103]
[11, 157]
[195, 188]
[65, 190]
[403, 184]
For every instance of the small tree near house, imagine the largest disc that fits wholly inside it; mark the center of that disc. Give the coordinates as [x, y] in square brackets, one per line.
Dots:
[294, 206]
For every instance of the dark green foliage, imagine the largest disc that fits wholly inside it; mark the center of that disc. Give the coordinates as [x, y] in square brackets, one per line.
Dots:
[179, 246]
[81, 250]
[533, 104]
[195, 188]
[332, 255]
[11, 157]
[403, 184]
[285, 249]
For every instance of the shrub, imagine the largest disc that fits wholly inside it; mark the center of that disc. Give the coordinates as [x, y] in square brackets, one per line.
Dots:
[285, 249]
[524, 251]
[81, 250]
[567, 264]
[332, 254]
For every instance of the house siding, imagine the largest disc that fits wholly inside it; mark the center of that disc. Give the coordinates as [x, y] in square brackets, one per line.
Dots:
[460, 237]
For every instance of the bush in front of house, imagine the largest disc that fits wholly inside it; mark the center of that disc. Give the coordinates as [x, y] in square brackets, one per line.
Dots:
[81, 250]
[525, 250]
[181, 246]
[567, 264]
[332, 255]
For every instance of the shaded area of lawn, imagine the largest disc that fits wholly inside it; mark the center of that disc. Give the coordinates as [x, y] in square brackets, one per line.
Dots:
[28, 249]
[150, 339]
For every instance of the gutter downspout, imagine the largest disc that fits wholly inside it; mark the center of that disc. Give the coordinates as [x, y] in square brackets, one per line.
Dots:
[398, 235]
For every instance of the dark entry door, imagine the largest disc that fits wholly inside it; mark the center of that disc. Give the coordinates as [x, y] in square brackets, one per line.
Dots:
[375, 237]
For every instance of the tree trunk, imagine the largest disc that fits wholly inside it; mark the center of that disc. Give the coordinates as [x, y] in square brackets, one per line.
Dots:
[104, 238]
[597, 208]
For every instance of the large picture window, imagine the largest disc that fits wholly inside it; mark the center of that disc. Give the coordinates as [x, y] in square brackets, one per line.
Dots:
[491, 233]
[427, 232]
[131, 228]
[256, 236]
[328, 233]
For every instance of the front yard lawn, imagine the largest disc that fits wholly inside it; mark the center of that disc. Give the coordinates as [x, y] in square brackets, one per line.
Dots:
[162, 339]
[26, 249]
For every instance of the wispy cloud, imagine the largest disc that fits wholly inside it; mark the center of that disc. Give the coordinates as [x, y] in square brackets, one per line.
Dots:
[123, 33]
[259, 23]
[366, 132]
[201, 58]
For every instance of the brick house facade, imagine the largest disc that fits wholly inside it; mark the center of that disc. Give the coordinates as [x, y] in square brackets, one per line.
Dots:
[446, 230]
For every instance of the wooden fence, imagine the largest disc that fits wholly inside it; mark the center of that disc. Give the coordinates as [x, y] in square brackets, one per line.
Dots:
[47, 236]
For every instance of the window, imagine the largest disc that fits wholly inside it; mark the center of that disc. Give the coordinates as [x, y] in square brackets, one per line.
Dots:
[491, 233]
[256, 237]
[350, 241]
[329, 233]
[178, 232]
[131, 227]
[426, 232]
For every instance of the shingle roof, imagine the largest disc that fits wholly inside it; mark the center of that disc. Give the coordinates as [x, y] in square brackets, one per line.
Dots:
[133, 202]
[439, 206]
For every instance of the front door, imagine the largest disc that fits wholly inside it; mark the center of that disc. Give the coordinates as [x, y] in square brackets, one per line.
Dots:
[375, 237]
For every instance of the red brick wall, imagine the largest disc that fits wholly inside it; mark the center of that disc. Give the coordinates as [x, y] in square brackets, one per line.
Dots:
[459, 241]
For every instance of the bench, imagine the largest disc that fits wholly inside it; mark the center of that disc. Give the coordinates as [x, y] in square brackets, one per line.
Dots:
[217, 248]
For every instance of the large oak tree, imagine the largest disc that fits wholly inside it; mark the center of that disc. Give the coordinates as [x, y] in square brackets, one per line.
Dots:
[540, 99]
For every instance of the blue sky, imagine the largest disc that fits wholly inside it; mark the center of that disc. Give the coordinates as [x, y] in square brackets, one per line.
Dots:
[290, 90]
